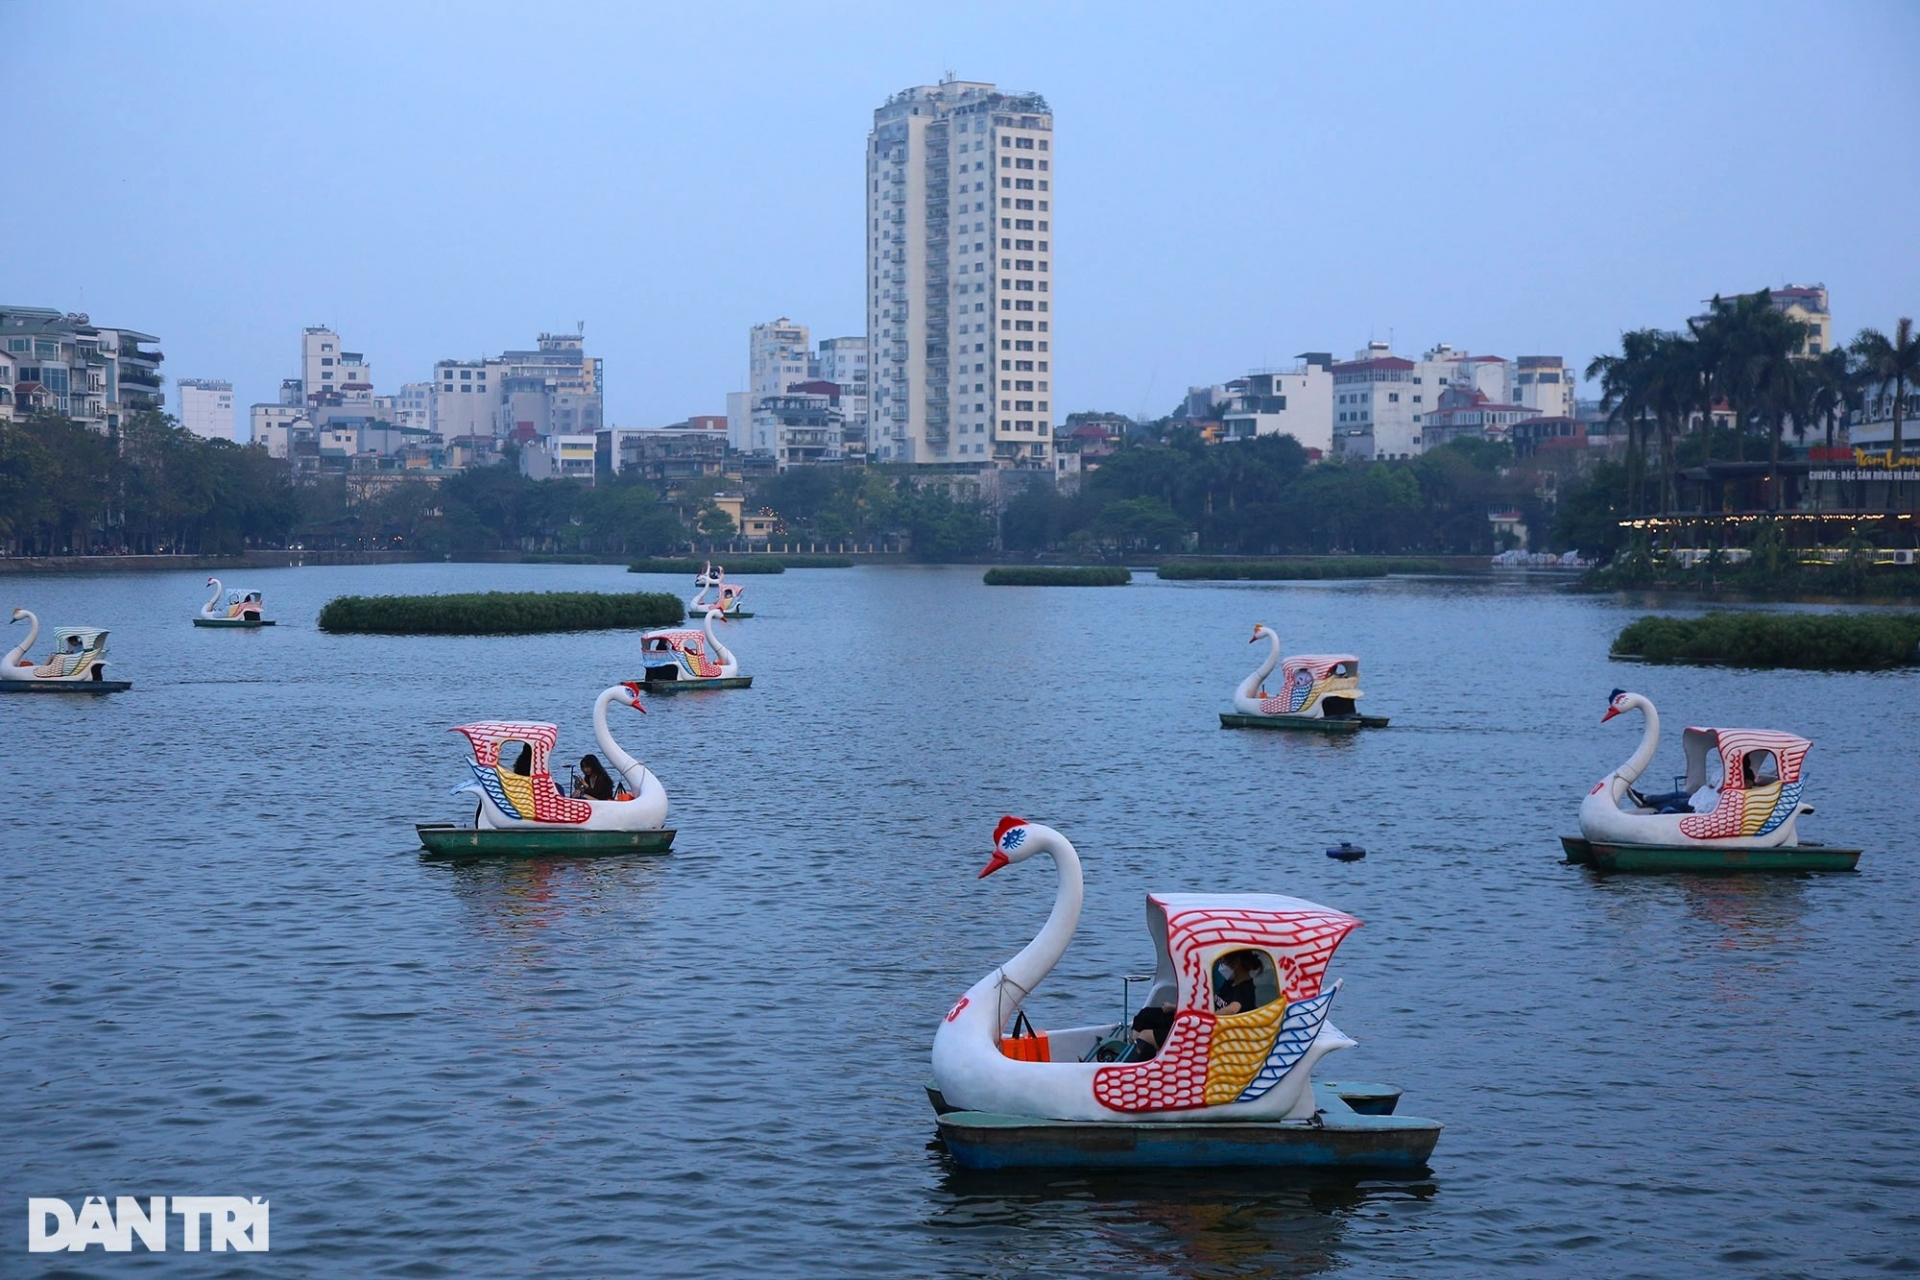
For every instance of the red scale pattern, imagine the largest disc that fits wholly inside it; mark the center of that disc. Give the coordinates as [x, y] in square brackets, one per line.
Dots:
[1301, 943]
[1729, 816]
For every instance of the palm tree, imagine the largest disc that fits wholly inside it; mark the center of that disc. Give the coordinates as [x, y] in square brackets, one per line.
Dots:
[1776, 377]
[1625, 380]
[1896, 361]
[1833, 389]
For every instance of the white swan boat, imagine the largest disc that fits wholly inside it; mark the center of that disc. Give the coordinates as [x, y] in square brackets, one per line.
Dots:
[1230, 1086]
[1318, 691]
[77, 664]
[677, 658]
[521, 810]
[239, 608]
[1737, 807]
[727, 597]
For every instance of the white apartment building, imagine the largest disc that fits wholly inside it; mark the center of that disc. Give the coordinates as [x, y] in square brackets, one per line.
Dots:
[206, 407]
[1545, 385]
[1491, 376]
[324, 368]
[464, 397]
[779, 354]
[843, 362]
[1374, 408]
[559, 457]
[273, 425]
[63, 362]
[1297, 402]
[959, 236]
[413, 407]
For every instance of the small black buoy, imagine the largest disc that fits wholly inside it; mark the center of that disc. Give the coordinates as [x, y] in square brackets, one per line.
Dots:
[1344, 852]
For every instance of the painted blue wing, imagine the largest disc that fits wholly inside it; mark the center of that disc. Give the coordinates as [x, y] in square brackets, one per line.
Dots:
[1296, 1035]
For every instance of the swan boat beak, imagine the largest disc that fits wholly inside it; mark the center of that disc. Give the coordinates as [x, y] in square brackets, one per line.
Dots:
[999, 860]
[634, 701]
[1611, 713]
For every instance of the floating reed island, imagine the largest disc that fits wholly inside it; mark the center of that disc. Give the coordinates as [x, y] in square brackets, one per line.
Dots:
[1047, 575]
[1295, 570]
[1800, 641]
[500, 613]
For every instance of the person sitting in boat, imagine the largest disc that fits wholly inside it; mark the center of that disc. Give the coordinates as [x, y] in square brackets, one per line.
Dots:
[524, 765]
[1706, 799]
[1150, 1028]
[1759, 769]
[594, 783]
[1233, 989]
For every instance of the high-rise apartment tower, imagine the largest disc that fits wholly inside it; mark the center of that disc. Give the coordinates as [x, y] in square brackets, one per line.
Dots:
[959, 280]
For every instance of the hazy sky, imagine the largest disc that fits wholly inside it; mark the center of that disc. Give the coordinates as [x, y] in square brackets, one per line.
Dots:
[1235, 184]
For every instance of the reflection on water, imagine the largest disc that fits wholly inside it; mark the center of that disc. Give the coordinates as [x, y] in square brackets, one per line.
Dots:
[1200, 1223]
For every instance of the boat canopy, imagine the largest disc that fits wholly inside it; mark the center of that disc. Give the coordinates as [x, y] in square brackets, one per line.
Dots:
[676, 639]
[1192, 930]
[1734, 746]
[1320, 665]
[487, 736]
[90, 637]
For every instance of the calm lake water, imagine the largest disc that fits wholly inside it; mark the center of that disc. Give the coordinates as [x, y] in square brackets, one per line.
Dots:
[225, 969]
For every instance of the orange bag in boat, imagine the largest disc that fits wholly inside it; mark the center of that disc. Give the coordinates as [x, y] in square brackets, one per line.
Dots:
[1025, 1044]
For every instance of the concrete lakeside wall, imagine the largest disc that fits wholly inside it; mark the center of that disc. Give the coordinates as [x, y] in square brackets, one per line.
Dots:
[284, 559]
[213, 564]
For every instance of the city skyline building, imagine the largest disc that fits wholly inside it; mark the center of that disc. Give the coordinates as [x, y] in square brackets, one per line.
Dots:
[959, 238]
[206, 407]
[63, 362]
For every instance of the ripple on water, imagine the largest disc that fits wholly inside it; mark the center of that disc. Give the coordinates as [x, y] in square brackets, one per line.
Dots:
[229, 972]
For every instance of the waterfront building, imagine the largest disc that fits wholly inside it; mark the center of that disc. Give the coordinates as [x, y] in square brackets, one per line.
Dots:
[1465, 413]
[959, 248]
[329, 375]
[463, 398]
[779, 354]
[1296, 402]
[796, 429]
[843, 362]
[206, 407]
[1545, 385]
[1383, 403]
[1373, 405]
[558, 456]
[62, 362]
[555, 389]
[671, 457]
[413, 407]
[1806, 303]
[276, 425]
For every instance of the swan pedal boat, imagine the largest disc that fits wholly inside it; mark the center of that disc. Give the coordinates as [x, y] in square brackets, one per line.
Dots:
[1753, 826]
[65, 671]
[679, 659]
[1226, 1089]
[728, 601]
[1319, 692]
[241, 608]
[526, 813]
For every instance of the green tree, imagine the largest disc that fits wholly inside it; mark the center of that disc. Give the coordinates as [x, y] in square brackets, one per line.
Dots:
[1895, 360]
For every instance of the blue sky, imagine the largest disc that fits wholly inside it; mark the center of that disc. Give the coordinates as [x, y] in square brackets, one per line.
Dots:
[1235, 184]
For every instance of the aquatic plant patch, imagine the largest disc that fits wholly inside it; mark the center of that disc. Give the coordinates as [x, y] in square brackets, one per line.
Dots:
[498, 613]
[1295, 570]
[1041, 575]
[1797, 641]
